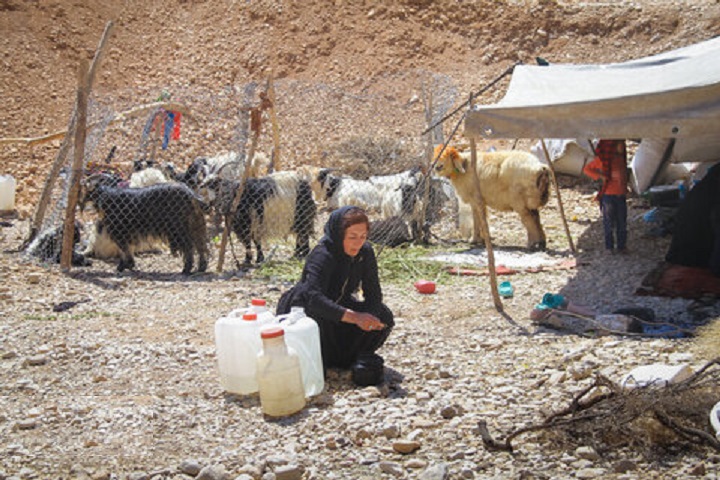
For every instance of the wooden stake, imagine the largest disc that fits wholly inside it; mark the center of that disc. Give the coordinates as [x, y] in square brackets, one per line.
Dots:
[39, 215]
[484, 229]
[276, 158]
[559, 199]
[83, 92]
[245, 125]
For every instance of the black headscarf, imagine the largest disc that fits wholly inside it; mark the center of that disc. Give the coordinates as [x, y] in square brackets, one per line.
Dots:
[334, 234]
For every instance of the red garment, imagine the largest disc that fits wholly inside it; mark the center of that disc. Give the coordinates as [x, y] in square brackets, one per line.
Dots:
[610, 165]
[176, 126]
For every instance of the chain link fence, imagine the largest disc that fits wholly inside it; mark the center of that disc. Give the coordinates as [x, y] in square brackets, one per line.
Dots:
[160, 179]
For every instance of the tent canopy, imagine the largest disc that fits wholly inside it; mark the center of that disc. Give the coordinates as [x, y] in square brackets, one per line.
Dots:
[671, 95]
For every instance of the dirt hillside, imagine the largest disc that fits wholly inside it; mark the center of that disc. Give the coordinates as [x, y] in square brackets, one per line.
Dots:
[107, 375]
[357, 47]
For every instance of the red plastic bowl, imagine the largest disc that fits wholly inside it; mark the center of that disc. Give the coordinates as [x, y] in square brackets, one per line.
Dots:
[425, 286]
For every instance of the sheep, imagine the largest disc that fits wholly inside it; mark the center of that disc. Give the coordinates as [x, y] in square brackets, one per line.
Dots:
[275, 206]
[508, 180]
[170, 212]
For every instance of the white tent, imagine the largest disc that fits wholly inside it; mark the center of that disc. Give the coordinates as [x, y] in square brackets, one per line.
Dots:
[673, 95]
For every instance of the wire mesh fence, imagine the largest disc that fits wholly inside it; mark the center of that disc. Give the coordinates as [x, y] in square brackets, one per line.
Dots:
[167, 177]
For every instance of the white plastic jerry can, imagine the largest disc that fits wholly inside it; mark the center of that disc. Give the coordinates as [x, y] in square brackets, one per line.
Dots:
[302, 334]
[237, 341]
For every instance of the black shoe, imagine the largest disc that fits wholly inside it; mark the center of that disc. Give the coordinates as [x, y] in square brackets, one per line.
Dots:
[369, 369]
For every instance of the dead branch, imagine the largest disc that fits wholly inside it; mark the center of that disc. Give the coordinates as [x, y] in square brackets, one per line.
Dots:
[673, 407]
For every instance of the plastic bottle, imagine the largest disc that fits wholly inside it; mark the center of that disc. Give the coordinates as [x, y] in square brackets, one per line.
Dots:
[303, 335]
[238, 343]
[278, 375]
[7, 193]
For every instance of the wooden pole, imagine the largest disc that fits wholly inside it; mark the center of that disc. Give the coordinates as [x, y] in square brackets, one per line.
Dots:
[484, 228]
[559, 199]
[247, 114]
[276, 158]
[39, 215]
[77, 167]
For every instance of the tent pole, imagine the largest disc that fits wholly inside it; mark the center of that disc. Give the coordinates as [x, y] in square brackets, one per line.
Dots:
[666, 156]
[559, 199]
[484, 229]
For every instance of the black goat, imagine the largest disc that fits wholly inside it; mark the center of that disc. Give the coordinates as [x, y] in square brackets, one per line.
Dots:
[169, 212]
[275, 206]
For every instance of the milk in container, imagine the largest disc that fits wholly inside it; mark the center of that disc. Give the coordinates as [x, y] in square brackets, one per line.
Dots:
[278, 375]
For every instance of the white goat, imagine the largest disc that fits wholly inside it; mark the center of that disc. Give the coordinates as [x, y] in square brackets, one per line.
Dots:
[398, 192]
[146, 177]
[341, 191]
[508, 180]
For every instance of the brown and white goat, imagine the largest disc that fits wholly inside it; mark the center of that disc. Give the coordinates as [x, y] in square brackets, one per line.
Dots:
[508, 181]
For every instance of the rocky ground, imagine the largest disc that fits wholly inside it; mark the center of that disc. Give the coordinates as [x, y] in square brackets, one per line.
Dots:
[123, 384]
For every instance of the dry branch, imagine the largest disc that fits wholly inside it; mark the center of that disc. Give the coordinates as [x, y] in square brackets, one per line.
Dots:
[680, 408]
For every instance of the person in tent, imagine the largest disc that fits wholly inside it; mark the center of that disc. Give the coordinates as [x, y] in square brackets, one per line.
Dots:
[610, 166]
[342, 265]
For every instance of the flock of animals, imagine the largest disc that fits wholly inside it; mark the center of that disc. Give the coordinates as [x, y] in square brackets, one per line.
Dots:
[159, 206]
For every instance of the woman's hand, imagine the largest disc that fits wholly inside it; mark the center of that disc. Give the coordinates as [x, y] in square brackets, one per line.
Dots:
[364, 321]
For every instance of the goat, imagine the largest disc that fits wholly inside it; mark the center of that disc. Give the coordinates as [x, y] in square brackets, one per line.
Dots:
[99, 244]
[275, 206]
[146, 177]
[508, 181]
[47, 246]
[341, 191]
[398, 192]
[169, 212]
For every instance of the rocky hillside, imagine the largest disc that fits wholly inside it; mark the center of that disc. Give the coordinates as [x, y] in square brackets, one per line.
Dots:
[355, 48]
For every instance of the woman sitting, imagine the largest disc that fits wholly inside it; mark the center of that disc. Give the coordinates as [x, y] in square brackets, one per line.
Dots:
[339, 268]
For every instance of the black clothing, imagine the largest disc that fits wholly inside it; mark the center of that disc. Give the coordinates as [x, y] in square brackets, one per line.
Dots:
[329, 280]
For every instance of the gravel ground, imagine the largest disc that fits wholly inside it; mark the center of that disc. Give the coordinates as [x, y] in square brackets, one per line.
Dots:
[124, 384]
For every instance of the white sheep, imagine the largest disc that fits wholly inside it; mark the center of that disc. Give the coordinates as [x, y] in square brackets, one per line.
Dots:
[508, 180]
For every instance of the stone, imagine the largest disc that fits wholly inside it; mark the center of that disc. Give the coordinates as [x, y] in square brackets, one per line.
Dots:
[588, 453]
[190, 467]
[289, 472]
[624, 466]
[438, 471]
[392, 468]
[405, 446]
[588, 473]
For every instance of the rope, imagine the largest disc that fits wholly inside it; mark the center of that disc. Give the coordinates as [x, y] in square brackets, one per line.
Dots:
[508, 71]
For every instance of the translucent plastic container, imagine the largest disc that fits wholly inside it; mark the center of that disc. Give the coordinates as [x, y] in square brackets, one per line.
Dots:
[278, 376]
[237, 341]
[7, 193]
[715, 419]
[303, 335]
